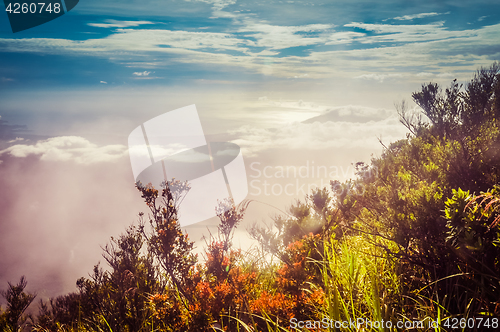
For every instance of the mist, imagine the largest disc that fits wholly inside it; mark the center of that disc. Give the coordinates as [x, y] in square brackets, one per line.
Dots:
[55, 216]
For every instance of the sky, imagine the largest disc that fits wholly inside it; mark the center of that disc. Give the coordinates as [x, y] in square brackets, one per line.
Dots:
[306, 85]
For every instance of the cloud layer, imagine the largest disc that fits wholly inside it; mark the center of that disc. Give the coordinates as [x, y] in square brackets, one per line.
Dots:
[348, 127]
[68, 148]
[355, 49]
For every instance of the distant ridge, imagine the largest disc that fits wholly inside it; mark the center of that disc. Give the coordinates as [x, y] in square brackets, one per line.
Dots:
[350, 113]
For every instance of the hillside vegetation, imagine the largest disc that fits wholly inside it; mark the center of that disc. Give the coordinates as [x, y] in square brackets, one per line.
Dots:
[414, 238]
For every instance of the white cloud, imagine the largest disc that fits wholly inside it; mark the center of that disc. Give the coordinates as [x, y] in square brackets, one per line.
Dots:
[119, 24]
[425, 74]
[283, 112]
[276, 37]
[456, 50]
[103, 82]
[155, 40]
[415, 45]
[343, 37]
[319, 136]
[411, 17]
[16, 140]
[408, 33]
[144, 73]
[219, 4]
[147, 77]
[166, 150]
[192, 157]
[299, 104]
[68, 148]
[266, 53]
[135, 41]
[445, 75]
[286, 112]
[379, 77]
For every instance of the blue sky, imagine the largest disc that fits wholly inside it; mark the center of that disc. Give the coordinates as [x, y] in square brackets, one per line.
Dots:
[175, 42]
[73, 89]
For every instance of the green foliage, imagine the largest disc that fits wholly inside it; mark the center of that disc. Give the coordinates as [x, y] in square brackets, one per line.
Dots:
[474, 235]
[119, 296]
[415, 236]
[400, 207]
[17, 303]
[116, 299]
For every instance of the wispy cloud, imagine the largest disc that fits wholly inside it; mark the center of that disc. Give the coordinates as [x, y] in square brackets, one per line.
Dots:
[17, 139]
[256, 46]
[280, 37]
[119, 24]
[379, 77]
[144, 73]
[68, 148]
[414, 16]
[218, 4]
[133, 40]
[408, 33]
[343, 37]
